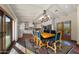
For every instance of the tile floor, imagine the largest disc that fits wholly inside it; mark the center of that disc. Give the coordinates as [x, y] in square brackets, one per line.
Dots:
[20, 48]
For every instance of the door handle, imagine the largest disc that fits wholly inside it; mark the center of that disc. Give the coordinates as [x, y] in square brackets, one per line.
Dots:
[2, 34]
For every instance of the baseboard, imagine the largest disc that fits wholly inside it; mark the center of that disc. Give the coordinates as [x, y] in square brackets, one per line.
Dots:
[74, 41]
[77, 43]
[9, 49]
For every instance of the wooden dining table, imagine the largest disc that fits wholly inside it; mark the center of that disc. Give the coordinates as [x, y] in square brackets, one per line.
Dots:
[47, 35]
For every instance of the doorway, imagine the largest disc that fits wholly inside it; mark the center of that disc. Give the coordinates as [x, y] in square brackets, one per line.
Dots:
[5, 32]
[65, 28]
[8, 32]
[60, 27]
[1, 17]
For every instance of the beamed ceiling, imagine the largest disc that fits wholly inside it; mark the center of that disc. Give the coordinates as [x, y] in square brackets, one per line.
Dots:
[31, 12]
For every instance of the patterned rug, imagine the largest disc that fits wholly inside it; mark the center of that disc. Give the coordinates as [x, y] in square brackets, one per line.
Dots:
[31, 49]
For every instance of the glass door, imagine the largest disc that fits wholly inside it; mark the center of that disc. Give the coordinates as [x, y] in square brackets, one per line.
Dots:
[8, 32]
[60, 27]
[5, 32]
[67, 30]
[1, 31]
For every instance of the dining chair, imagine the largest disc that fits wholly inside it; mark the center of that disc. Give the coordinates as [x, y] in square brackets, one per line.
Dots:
[37, 38]
[55, 40]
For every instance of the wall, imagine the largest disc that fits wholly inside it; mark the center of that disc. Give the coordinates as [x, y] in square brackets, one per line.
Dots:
[10, 12]
[50, 22]
[78, 24]
[47, 23]
[38, 25]
[21, 28]
[73, 18]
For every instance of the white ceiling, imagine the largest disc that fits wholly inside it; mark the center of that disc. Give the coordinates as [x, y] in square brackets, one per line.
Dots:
[30, 12]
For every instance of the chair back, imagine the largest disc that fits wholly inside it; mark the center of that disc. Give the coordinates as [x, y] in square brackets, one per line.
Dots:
[33, 33]
[58, 36]
[53, 32]
[53, 38]
[38, 35]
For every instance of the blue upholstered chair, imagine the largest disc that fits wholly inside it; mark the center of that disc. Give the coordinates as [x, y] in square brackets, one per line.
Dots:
[38, 35]
[37, 38]
[33, 33]
[54, 41]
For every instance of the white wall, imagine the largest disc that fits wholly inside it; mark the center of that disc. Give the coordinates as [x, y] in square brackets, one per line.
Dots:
[8, 10]
[13, 31]
[47, 23]
[21, 28]
[16, 30]
[50, 22]
[73, 18]
[38, 25]
[78, 24]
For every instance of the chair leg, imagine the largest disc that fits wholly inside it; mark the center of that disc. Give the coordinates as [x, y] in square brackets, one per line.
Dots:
[36, 41]
[40, 44]
[60, 47]
[47, 45]
[55, 48]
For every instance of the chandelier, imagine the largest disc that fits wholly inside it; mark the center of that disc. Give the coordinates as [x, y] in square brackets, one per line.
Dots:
[45, 17]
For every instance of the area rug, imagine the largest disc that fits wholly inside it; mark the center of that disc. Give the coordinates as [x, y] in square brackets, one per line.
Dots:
[64, 50]
[30, 48]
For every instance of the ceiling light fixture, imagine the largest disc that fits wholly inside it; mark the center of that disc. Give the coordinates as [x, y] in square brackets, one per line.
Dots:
[45, 17]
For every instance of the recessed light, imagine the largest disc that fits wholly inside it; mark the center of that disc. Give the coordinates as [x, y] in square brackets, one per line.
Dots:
[66, 6]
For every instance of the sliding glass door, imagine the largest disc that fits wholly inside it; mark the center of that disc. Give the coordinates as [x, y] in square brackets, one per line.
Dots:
[5, 32]
[60, 28]
[8, 32]
[1, 31]
[65, 28]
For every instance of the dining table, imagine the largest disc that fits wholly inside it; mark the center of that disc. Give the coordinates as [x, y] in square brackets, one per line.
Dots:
[47, 35]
